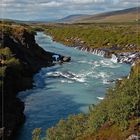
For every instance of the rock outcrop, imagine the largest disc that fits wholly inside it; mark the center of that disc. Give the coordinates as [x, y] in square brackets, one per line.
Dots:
[60, 59]
[32, 58]
[128, 57]
[125, 57]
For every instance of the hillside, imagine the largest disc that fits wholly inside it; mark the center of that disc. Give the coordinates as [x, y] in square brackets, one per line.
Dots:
[126, 15]
[71, 18]
[116, 38]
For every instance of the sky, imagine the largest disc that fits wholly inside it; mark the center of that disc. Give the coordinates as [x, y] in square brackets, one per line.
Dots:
[56, 9]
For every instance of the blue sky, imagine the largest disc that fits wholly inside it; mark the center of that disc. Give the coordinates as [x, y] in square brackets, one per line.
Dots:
[55, 9]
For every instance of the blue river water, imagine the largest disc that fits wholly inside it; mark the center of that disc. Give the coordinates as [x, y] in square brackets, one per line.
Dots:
[68, 88]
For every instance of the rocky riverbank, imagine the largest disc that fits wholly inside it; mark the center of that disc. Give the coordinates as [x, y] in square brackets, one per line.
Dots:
[20, 58]
[125, 57]
[122, 54]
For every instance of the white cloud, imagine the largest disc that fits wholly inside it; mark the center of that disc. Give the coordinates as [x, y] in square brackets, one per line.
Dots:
[82, 1]
[52, 4]
[7, 1]
[31, 9]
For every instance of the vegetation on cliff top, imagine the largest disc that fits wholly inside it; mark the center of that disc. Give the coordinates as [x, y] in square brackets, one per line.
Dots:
[19, 49]
[117, 37]
[12, 28]
[7, 58]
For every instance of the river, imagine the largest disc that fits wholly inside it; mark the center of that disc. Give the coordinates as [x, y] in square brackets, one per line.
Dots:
[68, 88]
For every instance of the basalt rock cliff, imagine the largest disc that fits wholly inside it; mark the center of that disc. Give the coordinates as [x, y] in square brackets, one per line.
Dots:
[20, 58]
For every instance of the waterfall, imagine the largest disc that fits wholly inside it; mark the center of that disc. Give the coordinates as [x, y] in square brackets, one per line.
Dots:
[128, 58]
[114, 58]
[98, 52]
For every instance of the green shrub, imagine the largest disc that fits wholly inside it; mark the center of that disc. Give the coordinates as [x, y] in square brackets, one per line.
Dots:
[36, 134]
[97, 36]
[120, 106]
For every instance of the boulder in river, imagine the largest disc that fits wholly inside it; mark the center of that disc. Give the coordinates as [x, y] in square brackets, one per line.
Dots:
[66, 59]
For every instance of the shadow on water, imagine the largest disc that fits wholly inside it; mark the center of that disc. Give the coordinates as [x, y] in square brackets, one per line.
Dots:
[45, 105]
[46, 112]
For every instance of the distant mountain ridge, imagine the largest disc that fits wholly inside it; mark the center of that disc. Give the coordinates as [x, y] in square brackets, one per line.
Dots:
[71, 17]
[126, 15]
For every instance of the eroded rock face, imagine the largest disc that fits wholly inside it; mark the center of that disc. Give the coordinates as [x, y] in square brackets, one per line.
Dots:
[27, 51]
[126, 57]
[32, 58]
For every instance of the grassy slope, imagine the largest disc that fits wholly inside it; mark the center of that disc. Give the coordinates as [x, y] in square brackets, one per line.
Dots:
[98, 35]
[130, 17]
[127, 15]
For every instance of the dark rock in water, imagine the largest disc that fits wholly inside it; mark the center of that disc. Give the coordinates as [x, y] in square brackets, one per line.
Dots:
[111, 81]
[60, 59]
[66, 59]
[108, 54]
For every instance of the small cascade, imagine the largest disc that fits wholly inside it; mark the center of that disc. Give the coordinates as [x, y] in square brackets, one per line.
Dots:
[114, 58]
[86, 50]
[129, 58]
[98, 52]
[91, 50]
[120, 57]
